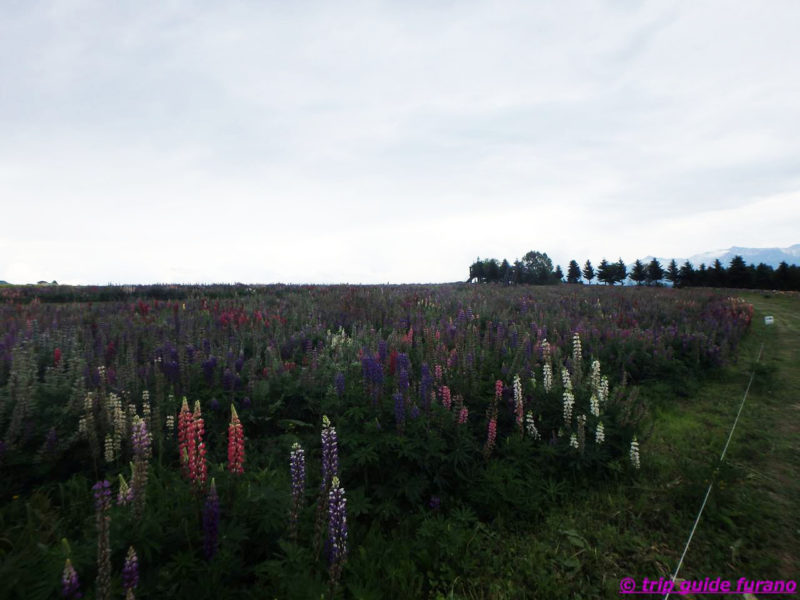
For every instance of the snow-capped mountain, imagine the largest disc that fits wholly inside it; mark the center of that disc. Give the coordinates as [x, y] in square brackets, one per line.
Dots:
[768, 256]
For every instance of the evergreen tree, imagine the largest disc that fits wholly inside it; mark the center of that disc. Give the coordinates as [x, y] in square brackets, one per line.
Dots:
[638, 273]
[738, 276]
[654, 272]
[605, 272]
[588, 271]
[558, 275]
[686, 276]
[673, 274]
[620, 272]
[717, 274]
[573, 272]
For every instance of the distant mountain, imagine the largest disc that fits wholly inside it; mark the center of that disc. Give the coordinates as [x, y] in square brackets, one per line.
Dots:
[769, 256]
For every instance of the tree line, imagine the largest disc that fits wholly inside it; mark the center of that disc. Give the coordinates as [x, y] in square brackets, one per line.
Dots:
[536, 268]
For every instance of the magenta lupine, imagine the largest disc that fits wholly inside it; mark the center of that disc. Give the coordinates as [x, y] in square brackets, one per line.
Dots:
[70, 586]
[337, 530]
[235, 444]
[297, 468]
[102, 504]
[211, 522]
[498, 390]
[130, 574]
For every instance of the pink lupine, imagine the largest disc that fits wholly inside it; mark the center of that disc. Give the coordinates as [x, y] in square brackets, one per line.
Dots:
[463, 414]
[235, 444]
[498, 390]
[200, 468]
[446, 397]
[491, 436]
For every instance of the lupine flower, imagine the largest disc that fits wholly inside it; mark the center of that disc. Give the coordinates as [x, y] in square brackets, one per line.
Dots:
[594, 405]
[186, 439]
[125, 494]
[594, 377]
[297, 468]
[569, 402]
[437, 372]
[70, 586]
[446, 401]
[399, 409]
[545, 351]
[498, 390]
[337, 530]
[600, 433]
[170, 424]
[140, 441]
[330, 453]
[338, 384]
[565, 379]
[634, 453]
[235, 444]
[518, 402]
[463, 415]
[109, 449]
[102, 504]
[200, 468]
[547, 376]
[530, 425]
[211, 522]
[56, 356]
[434, 503]
[130, 574]
[602, 394]
[577, 352]
[573, 441]
[491, 436]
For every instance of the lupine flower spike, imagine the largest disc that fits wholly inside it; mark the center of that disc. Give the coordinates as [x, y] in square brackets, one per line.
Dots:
[337, 531]
[297, 468]
[235, 444]
[211, 522]
[70, 586]
[634, 453]
[130, 574]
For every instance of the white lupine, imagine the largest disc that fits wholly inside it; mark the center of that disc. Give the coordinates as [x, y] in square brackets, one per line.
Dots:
[109, 448]
[594, 405]
[546, 351]
[530, 426]
[594, 377]
[602, 395]
[565, 379]
[634, 453]
[548, 377]
[170, 425]
[518, 406]
[573, 441]
[569, 402]
[600, 433]
[577, 351]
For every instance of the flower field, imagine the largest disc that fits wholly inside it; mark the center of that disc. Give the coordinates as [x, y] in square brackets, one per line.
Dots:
[308, 441]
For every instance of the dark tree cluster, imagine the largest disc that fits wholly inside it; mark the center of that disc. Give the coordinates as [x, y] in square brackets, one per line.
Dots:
[738, 275]
[534, 268]
[537, 268]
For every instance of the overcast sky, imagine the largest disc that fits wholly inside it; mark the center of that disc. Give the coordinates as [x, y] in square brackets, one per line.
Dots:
[176, 141]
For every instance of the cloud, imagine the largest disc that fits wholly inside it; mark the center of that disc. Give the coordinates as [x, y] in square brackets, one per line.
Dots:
[202, 140]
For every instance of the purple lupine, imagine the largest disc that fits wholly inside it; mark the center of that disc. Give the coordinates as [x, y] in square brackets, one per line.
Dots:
[297, 468]
[383, 351]
[70, 586]
[130, 573]
[402, 380]
[399, 409]
[338, 384]
[403, 362]
[140, 438]
[330, 453]
[337, 530]
[102, 504]
[425, 383]
[211, 522]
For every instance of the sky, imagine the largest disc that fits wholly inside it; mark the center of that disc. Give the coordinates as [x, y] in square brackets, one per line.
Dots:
[374, 142]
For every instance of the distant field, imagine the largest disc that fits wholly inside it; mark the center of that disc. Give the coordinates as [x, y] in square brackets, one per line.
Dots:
[483, 441]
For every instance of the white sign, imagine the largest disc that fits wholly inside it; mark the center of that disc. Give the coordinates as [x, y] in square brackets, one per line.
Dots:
[769, 320]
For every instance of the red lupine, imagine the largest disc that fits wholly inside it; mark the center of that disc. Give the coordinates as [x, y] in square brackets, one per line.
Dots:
[186, 439]
[235, 444]
[200, 469]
